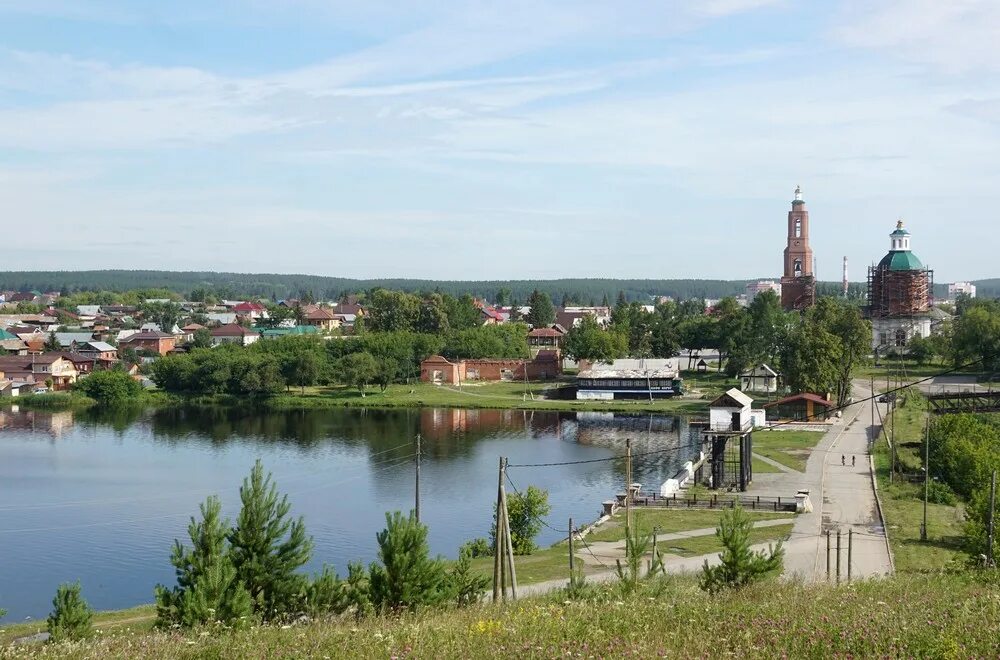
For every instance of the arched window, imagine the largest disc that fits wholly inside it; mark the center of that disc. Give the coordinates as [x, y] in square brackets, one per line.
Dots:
[901, 337]
[798, 227]
[797, 268]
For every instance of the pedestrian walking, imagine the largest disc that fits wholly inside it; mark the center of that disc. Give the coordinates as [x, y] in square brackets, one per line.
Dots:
[843, 460]
[853, 458]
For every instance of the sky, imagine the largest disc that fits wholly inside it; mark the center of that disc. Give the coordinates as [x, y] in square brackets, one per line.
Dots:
[483, 140]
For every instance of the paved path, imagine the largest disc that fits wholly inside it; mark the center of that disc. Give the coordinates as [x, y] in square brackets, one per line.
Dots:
[770, 461]
[842, 498]
[609, 551]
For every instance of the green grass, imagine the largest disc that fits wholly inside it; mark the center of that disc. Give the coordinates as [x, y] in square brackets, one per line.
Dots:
[906, 616]
[902, 503]
[136, 619]
[790, 448]
[544, 564]
[669, 521]
[703, 545]
[760, 467]
[515, 395]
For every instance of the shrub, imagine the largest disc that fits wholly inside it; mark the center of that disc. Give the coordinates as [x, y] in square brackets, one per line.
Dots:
[941, 493]
[466, 586]
[740, 565]
[478, 547]
[525, 511]
[110, 387]
[207, 588]
[407, 577]
[71, 616]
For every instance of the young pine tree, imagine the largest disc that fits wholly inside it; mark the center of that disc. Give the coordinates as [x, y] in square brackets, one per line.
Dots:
[268, 547]
[740, 565]
[207, 587]
[71, 616]
[466, 585]
[407, 577]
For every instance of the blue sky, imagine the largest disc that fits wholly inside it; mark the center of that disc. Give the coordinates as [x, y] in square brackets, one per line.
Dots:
[473, 140]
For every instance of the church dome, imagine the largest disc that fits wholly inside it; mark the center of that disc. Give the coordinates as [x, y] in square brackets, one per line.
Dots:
[900, 258]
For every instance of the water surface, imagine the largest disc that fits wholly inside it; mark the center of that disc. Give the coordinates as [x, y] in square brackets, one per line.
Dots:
[100, 497]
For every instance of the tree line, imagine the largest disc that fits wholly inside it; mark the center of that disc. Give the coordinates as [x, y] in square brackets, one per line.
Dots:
[368, 359]
[816, 351]
[579, 291]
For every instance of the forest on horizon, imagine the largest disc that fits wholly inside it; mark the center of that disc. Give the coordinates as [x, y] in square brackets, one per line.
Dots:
[582, 291]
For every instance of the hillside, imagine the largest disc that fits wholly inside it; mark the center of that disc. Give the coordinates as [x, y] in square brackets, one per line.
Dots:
[278, 286]
[913, 616]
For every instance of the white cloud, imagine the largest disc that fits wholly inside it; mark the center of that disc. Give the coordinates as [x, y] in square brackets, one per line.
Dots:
[953, 36]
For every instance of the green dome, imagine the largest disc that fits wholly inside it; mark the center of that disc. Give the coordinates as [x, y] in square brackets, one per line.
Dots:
[900, 260]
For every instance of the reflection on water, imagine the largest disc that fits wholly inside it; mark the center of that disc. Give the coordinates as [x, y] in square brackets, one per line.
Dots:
[100, 495]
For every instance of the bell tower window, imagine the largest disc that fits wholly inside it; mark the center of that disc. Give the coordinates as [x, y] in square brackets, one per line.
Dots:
[797, 268]
[798, 227]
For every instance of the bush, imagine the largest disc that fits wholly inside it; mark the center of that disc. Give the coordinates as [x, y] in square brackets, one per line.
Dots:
[525, 511]
[478, 547]
[110, 387]
[740, 565]
[466, 586]
[940, 493]
[71, 617]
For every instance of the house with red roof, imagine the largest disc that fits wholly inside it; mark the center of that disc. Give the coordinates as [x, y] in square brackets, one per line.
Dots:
[234, 333]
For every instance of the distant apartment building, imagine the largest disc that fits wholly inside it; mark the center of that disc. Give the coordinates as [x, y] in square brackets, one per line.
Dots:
[753, 289]
[957, 288]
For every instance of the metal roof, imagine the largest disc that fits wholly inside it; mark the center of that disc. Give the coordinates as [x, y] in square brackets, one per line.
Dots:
[899, 260]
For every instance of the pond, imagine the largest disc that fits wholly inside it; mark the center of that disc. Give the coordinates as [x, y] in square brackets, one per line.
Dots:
[100, 497]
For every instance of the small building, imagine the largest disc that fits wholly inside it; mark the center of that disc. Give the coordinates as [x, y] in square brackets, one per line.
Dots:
[729, 433]
[234, 334]
[803, 407]
[153, 341]
[761, 378]
[546, 338]
[629, 379]
[98, 350]
[187, 332]
[438, 369]
[322, 318]
[731, 412]
[39, 369]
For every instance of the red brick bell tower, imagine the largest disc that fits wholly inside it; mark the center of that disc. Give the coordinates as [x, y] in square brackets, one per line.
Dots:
[798, 285]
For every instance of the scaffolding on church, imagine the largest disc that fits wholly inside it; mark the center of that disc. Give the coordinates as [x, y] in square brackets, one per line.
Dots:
[899, 294]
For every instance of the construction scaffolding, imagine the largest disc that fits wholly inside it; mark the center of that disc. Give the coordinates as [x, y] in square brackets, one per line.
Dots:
[899, 293]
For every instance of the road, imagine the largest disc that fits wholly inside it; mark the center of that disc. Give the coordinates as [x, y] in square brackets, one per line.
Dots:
[843, 499]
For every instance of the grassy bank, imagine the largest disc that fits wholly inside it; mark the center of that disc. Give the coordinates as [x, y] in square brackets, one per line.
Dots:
[902, 499]
[905, 616]
[136, 619]
[790, 448]
[670, 521]
[519, 396]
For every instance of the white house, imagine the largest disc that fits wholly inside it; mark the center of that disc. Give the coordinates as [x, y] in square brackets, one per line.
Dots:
[731, 412]
[761, 378]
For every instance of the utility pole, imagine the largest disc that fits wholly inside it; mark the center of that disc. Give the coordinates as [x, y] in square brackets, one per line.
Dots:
[628, 494]
[927, 473]
[838, 556]
[572, 574]
[892, 438]
[497, 550]
[989, 524]
[850, 548]
[827, 555]
[416, 489]
[508, 542]
[874, 402]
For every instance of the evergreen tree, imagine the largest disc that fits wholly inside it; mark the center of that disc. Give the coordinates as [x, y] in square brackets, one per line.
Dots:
[207, 587]
[740, 565]
[604, 301]
[268, 547]
[71, 616]
[407, 577]
[542, 313]
[52, 343]
[467, 586]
